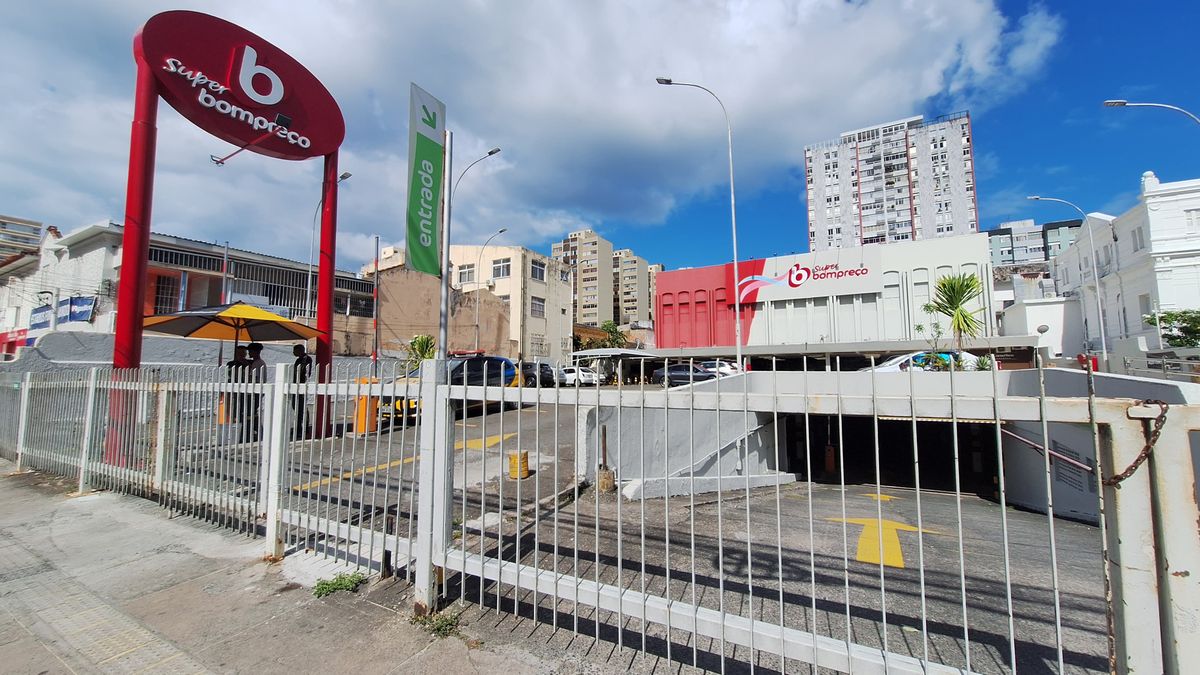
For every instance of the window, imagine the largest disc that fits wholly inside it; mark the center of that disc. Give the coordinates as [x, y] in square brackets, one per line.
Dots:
[1193, 220]
[1139, 239]
[502, 268]
[466, 274]
[166, 294]
[537, 270]
[1144, 308]
[504, 299]
[537, 307]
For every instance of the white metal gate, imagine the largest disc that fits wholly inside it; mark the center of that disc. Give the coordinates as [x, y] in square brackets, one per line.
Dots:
[755, 521]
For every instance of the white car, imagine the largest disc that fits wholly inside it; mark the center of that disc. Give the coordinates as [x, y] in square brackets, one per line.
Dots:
[926, 361]
[721, 368]
[573, 376]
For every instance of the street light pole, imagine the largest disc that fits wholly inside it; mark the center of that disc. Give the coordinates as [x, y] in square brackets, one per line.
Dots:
[1121, 103]
[312, 242]
[449, 202]
[737, 278]
[478, 269]
[1095, 271]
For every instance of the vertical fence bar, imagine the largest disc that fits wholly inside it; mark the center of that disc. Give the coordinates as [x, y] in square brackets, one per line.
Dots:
[271, 474]
[962, 564]
[23, 419]
[1002, 488]
[1049, 482]
[88, 419]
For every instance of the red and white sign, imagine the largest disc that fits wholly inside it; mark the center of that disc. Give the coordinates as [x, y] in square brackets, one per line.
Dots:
[239, 87]
[827, 273]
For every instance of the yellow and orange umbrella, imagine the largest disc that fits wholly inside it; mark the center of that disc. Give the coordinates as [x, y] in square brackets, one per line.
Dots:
[238, 321]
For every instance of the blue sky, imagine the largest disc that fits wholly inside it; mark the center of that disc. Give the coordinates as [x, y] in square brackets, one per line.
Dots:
[1051, 138]
[589, 140]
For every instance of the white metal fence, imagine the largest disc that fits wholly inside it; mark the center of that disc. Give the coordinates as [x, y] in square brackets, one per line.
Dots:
[855, 521]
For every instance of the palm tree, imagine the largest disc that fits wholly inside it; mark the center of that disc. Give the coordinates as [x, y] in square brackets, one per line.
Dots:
[952, 295]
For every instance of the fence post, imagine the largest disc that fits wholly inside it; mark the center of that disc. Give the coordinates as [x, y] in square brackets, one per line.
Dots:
[88, 420]
[1172, 472]
[23, 419]
[436, 480]
[164, 437]
[1131, 554]
[270, 479]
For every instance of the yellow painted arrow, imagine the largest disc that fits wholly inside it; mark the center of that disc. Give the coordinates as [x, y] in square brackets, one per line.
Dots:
[471, 444]
[868, 541]
[879, 497]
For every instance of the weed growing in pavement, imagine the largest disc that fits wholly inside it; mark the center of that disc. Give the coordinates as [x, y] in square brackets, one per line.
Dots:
[342, 582]
[442, 624]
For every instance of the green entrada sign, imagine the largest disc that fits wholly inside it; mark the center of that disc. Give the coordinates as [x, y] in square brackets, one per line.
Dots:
[426, 134]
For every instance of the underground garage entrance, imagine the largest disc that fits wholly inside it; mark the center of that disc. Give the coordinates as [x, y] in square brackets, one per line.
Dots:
[898, 466]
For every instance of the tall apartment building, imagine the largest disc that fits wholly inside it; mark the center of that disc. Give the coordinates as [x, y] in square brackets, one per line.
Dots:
[1023, 241]
[653, 271]
[18, 235]
[589, 257]
[905, 180]
[631, 285]
[535, 287]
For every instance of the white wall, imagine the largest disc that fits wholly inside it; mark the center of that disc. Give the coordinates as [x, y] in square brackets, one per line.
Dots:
[910, 272]
[1060, 315]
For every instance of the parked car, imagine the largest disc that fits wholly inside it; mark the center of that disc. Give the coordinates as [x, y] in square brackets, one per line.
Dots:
[539, 373]
[721, 368]
[573, 376]
[679, 374]
[927, 361]
[472, 370]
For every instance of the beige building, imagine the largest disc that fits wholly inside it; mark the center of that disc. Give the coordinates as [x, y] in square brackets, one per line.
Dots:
[410, 303]
[631, 287]
[588, 257]
[535, 288]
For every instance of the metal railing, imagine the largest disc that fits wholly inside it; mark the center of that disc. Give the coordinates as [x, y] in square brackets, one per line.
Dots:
[1180, 370]
[855, 521]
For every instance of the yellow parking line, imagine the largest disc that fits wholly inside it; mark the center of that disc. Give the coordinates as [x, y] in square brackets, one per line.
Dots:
[471, 444]
[879, 497]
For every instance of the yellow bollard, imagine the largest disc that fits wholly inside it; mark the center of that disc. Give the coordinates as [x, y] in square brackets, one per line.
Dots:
[366, 410]
[518, 465]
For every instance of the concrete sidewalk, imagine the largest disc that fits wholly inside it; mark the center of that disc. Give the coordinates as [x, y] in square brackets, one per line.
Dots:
[109, 583]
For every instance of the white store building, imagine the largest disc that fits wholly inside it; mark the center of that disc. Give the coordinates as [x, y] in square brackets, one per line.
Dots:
[1148, 259]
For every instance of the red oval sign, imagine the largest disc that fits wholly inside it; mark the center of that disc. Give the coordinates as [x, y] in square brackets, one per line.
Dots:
[239, 87]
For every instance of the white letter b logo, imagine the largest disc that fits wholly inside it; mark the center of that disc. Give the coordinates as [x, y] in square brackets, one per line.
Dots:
[246, 73]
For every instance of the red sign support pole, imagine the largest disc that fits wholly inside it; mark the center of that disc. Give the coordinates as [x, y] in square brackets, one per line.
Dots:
[131, 293]
[325, 272]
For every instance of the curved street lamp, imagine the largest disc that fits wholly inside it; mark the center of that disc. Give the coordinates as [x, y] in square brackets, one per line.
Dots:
[478, 270]
[453, 190]
[312, 242]
[737, 278]
[1095, 270]
[1121, 103]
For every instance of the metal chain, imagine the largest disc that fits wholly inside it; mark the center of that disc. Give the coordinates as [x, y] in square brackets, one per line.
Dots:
[1159, 422]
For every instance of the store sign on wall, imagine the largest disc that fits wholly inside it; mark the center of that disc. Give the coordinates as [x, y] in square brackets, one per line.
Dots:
[239, 87]
[810, 275]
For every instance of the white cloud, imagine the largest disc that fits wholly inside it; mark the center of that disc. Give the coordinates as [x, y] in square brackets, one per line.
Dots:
[566, 89]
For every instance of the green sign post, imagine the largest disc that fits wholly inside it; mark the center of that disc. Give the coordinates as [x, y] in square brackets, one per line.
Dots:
[426, 152]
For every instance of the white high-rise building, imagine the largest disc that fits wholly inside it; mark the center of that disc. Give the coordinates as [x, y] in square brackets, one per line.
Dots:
[901, 181]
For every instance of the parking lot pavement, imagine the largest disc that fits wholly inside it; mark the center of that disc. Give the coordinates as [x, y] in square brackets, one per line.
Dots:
[700, 554]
